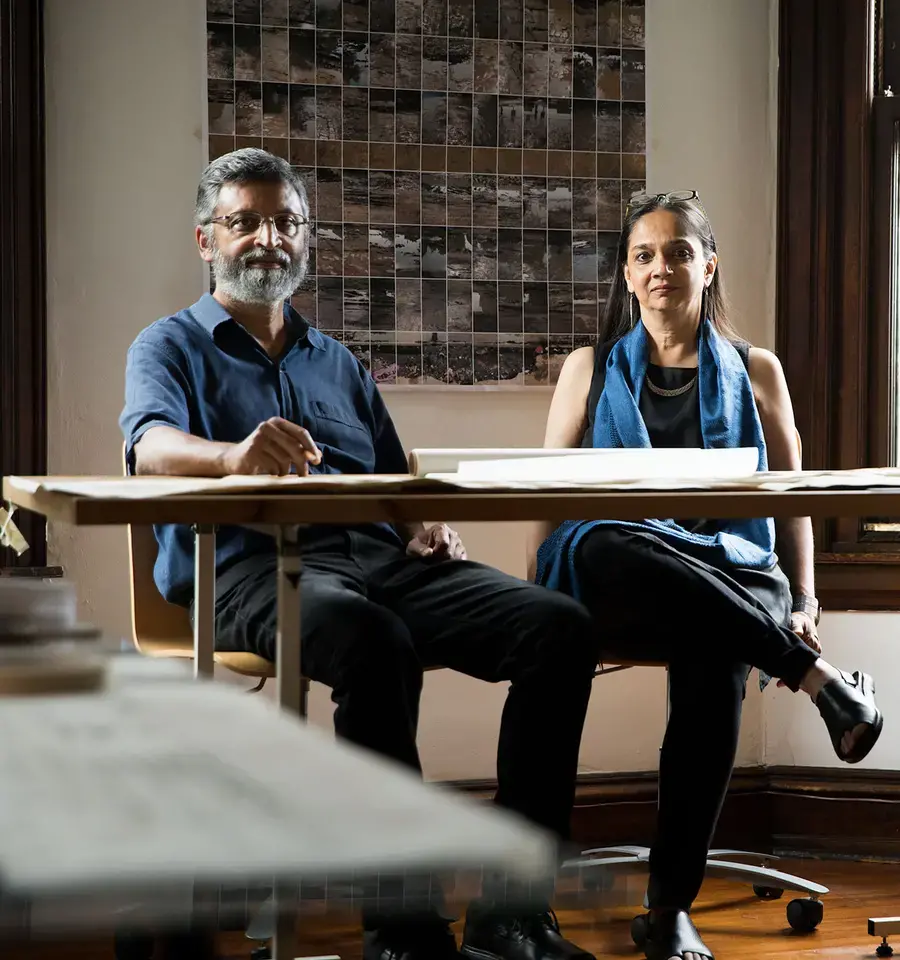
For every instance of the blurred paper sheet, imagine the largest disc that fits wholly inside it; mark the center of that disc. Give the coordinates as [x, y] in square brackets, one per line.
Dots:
[169, 780]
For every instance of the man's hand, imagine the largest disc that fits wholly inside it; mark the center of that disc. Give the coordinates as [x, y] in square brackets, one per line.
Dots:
[438, 542]
[273, 448]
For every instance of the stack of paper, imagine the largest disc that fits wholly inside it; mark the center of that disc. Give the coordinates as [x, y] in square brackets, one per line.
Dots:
[38, 604]
[588, 466]
[427, 461]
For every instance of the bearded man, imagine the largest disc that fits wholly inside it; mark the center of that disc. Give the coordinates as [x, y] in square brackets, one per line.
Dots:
[240, 383]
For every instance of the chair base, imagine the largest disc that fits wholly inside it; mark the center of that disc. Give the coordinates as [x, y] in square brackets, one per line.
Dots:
[767, 883]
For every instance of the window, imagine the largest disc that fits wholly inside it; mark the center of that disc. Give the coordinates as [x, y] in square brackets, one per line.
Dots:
[884, 532]
[837, 317]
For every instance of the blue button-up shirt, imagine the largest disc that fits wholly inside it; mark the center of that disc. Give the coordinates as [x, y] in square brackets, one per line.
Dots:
[201, 372]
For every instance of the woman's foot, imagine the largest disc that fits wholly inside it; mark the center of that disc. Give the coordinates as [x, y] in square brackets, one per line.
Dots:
[671, 935]
[847, 705]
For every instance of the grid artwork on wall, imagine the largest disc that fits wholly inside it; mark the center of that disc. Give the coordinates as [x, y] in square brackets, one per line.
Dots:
[467, 162]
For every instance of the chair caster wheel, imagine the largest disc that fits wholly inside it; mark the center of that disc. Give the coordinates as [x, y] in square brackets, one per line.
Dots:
[132, 946]
[805, 915]
[639, 930]
[768, 893]
[261, 953]
[884, 950]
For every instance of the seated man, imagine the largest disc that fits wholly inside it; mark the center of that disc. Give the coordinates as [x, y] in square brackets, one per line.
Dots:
[239, 383]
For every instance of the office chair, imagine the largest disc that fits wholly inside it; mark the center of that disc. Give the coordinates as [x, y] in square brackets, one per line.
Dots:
[803, 914]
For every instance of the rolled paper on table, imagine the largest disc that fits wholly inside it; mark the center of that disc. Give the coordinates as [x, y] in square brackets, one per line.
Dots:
[427, 460]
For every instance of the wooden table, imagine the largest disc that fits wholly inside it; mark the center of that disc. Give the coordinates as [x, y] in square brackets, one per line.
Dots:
[283, 506]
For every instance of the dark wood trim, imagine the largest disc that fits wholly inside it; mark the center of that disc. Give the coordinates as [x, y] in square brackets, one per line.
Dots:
[23, 392]
[835, 812]
[858, 581]
[833, 314]
[615, 809]
[808, 811]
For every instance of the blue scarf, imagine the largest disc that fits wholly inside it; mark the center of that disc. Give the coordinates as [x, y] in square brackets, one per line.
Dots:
[728, 418]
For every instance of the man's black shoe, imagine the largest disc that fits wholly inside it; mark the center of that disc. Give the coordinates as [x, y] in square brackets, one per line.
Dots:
[410, 942]
[493, 936]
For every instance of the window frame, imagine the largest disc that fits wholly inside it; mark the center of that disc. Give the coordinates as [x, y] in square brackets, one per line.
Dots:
[831, 302]
[23, 325]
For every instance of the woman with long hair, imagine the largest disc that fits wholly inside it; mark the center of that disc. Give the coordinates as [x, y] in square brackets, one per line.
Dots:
[708, 596]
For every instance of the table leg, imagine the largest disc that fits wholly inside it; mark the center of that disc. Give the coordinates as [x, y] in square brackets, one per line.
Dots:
[290, 686]
[291, 696]
[883, 927]
[287, 906]
[204, 599]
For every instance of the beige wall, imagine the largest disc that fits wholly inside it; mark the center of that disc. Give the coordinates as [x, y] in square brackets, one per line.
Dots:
[712, 126]
[125, 111]
[125, 106]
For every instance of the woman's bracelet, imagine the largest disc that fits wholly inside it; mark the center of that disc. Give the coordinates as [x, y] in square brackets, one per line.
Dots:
[808, 605]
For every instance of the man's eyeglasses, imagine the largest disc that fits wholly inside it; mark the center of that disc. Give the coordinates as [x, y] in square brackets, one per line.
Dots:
[248, 223]
[676, 196]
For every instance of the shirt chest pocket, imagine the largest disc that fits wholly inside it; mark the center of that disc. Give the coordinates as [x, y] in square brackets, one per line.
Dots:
[341, 429]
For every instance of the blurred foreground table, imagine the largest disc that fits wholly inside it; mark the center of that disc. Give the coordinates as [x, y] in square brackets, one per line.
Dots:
[119, 807]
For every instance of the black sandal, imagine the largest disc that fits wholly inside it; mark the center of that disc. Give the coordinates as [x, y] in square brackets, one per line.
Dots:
[671, 933]
[844, 704]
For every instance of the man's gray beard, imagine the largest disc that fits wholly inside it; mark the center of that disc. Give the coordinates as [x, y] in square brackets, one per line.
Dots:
[257, 285]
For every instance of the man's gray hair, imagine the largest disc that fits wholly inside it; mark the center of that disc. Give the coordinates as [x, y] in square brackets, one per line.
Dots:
[250, 165]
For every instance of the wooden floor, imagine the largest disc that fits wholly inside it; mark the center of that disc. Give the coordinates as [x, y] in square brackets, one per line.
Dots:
[734, 924]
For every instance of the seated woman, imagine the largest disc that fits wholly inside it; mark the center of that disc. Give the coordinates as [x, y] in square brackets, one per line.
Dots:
[707, 596]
